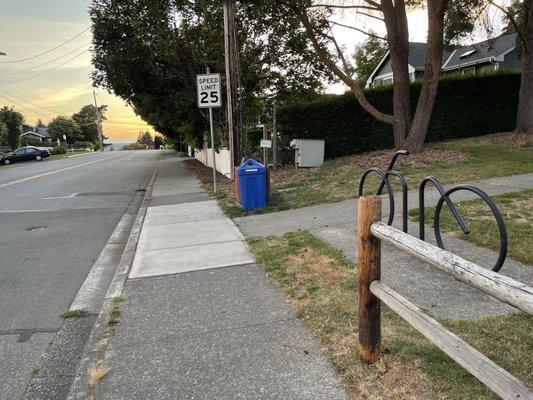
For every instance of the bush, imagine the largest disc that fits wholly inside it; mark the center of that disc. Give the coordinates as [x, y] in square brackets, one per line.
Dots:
[135, 146]
[30, 141]
[58, 150]
[84, 145]
[466, 105]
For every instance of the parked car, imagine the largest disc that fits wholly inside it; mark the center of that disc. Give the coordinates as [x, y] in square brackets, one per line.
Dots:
[25, 154]
[4, 149]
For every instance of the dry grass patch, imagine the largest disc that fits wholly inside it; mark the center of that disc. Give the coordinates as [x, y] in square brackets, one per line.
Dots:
[322, 286]
[97, 371]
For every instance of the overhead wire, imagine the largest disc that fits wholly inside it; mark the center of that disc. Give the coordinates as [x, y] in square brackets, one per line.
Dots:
[48, 51]
[47, 71]
[46, 63]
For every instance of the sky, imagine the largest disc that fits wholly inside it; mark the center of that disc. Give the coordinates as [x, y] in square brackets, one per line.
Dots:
[30, 27]
[59, 83]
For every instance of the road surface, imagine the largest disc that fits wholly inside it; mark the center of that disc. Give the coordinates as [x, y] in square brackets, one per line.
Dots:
[55, 218]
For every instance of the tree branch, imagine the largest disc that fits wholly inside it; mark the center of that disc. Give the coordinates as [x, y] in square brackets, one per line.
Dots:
[322, 54]
[339, 52]
[512, 20]
[358, 30]
[345, 7]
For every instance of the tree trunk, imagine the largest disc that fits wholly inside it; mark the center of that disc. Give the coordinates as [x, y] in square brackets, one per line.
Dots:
[428, 92]
[395, 19]
[524, 117]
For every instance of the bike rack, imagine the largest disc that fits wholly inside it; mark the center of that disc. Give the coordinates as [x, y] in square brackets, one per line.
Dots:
[444, 198]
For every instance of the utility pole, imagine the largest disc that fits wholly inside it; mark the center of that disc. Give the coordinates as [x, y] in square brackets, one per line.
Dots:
[98, 124]
[275, 136]
[230, 50]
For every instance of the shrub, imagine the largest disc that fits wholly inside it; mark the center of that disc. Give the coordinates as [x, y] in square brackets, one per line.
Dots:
[84, 145]
[30, 141]
[58, 150]
[466, 105]
[135, 146]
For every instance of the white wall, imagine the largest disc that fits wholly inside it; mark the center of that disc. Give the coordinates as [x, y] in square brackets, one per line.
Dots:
[222, 159]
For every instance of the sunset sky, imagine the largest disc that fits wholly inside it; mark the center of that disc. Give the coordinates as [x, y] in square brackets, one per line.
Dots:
[58, 83]
[30, 27]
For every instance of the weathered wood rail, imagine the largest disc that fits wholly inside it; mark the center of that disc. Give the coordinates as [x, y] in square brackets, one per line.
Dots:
[372, 292]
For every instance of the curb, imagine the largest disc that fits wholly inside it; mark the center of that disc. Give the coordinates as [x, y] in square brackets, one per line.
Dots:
[94, 349]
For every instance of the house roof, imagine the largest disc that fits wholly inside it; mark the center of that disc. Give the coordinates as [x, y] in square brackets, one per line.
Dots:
[482, 51]
[460, 56]
[41, 131]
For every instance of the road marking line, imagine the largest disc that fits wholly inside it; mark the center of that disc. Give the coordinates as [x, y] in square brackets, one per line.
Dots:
[61, 197]
[21, 211]
[54, 172]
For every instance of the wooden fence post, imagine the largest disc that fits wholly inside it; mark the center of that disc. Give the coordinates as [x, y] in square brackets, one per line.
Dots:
[369, 251]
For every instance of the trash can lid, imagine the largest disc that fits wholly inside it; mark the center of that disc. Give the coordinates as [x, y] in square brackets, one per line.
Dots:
[250, 166]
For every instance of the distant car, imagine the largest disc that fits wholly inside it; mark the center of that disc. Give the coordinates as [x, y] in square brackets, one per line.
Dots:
[4, 149]
[25, 154]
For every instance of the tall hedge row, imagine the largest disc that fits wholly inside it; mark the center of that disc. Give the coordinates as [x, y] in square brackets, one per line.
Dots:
[466, 105]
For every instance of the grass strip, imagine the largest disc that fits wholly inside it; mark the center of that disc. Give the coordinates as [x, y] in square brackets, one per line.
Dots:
[321, 285]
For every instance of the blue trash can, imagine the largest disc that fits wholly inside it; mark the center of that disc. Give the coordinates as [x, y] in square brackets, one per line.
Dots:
[252, 184]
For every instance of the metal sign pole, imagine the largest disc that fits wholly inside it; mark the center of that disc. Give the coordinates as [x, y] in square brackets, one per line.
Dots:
[208, 86]
[212, 143]
[213, 148]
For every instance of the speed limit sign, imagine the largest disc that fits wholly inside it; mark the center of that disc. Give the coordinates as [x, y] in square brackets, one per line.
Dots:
[208, 90]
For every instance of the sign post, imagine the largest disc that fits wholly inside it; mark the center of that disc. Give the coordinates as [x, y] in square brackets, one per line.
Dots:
[208, 86]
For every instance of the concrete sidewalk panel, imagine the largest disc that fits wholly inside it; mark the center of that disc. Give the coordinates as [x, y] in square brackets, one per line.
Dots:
[190, 258]
[169, 190]
[185, 212]
[272, 361]
[217, 334]
[187, 234]
[194, 303]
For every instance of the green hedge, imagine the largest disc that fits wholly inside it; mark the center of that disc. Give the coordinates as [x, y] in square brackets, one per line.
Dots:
[466, 106]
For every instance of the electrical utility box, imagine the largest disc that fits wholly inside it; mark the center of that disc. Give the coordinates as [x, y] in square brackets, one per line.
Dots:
[308, 152]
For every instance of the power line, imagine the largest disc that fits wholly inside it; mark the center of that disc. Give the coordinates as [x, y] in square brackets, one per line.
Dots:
[29, 102]
[48, 51]
[46, 63]
[49, 70]
[21, 106]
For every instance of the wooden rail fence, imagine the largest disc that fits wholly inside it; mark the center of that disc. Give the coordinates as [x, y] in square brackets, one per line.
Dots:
[372, 292]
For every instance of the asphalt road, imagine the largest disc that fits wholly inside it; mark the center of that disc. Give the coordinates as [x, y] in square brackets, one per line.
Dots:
[55, 218]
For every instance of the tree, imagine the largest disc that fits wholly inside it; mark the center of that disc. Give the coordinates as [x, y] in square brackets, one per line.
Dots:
[517, 16]
[86, 119]
[63, 125]
[3, 133]
[409, 131]
[367, 57]
[145, 138]
[148, 53]
[40, 123]
[158, 141]
[13, 122]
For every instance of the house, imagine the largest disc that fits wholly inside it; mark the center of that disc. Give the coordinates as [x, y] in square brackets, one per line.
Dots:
[39, 132]
[499, 53]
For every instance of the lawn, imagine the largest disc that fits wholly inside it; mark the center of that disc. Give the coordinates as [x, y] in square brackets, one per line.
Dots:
[321, 284]
[450, 161]
[517, 212]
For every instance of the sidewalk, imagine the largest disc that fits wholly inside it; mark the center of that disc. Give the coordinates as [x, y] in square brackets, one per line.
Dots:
[324, 215]
[424, 285]
[191, 329]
